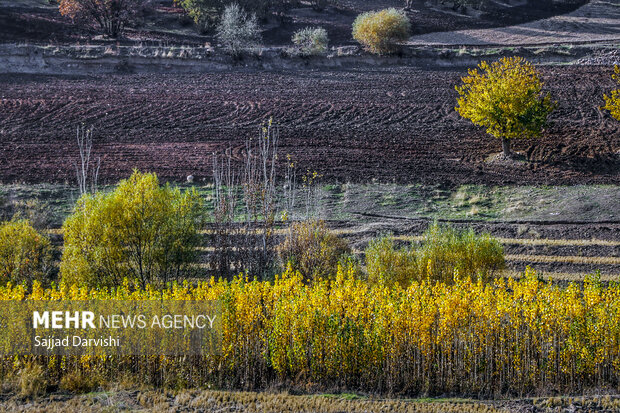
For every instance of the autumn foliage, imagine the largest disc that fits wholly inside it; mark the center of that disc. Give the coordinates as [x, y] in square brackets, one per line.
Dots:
[141, 230]
[509, 337]
[110, 15]
[612, 101]
[506, 98]
[380, 32]
[25, 254]
[313, 250]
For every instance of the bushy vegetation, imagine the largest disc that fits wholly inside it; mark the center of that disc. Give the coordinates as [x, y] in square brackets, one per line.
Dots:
[311, 41]
[208, 13]
[612, 101]
[312, 250]
[110, 16]
[443, 254]
[238, 30]
[32, 380]
[387, 264]
[508, 337]
[141, 230]
[25, 254]
[381, 31]
[506, 98]
[445, 251]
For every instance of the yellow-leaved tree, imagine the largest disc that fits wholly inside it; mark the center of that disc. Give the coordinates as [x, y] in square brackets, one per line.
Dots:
[612, 102]
[25, 254]
[141, 231]
[506, 98]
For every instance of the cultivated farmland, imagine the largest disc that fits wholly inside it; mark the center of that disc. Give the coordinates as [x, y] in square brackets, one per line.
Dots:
[383, 125]
[367, 247]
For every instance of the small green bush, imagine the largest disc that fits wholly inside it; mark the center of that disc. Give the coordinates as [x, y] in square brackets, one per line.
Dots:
[389, 265]
[311, 41]
[25, 254]
[380, 32]
[445, 249]
[443, 252]
[313, 250]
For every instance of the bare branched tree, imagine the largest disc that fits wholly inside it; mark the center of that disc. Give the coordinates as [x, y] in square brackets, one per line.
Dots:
[259, 188]
[225, 258]
[246, 205]
[87, 174]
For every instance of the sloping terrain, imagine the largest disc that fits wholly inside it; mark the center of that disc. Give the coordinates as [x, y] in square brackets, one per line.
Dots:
[38, 21]
[386, 125]
[596, 21]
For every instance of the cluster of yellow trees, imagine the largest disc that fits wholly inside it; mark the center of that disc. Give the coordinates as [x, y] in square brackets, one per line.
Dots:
[514, 336]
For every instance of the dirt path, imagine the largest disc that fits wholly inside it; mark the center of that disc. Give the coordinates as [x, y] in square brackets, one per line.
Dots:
[593, 22]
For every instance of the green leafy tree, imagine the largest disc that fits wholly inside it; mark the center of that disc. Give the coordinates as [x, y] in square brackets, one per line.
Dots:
[141, 230]
[506, 98]
[389, 265]
[25, 254]
[381, 31]
[612, 101]
[445, 250]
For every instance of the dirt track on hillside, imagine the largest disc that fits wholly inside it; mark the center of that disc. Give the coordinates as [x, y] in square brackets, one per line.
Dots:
[593, 22]
[397, 125]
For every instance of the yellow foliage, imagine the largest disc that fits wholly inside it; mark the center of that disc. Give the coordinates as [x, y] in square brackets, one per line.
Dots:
[506, 98]
[612, 102]
[381, 31]
[141, 230]
[25, 254]
[514, 336]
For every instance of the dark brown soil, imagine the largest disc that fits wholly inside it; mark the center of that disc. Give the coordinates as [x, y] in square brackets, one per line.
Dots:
[165, 23]
[389, 125]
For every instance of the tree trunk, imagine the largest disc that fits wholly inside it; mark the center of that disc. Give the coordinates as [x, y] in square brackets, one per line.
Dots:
[506, 147]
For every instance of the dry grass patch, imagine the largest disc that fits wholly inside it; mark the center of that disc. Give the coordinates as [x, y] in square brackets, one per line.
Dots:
[571, 259]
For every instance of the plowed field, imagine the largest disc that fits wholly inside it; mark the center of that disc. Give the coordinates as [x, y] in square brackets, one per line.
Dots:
[386, 125]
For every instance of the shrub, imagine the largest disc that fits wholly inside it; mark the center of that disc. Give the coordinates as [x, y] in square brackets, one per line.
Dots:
[78, 381]
[110, 16]
[506, 98]
[25, 254]
[141, 230]
[612, 102]
[32, 380]
[237, 30]
[207, 13]
[313, 250]
[381, 31]
[311, 41]
[443, 252]
[389, 265]
[445, 249]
